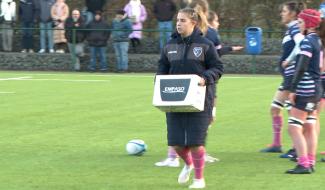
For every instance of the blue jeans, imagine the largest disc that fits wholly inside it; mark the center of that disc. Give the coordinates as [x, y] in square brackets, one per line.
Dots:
[27, 39]
[7, 36]
[46, 28]
[165, 36]
[121, 52]
[76, 51]
[93, 58]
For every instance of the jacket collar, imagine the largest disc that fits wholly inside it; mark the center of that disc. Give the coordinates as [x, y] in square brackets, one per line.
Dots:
[188, 40]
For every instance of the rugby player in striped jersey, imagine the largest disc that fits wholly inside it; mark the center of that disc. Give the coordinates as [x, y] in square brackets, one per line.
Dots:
[290, 46]
[305, 93]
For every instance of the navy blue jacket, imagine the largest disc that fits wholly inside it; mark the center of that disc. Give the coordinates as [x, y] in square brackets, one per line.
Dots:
[95, 5]
[213, 35]
[27, 10]
[179, 57]
[98, 38]
[193, 55]
[164, 10]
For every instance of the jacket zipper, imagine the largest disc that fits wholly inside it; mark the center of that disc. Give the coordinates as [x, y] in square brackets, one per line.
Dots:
[184, 52]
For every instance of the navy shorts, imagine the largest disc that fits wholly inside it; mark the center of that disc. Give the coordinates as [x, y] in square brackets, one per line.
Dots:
[308, 104]
[285, 85]
[187, 129]
[287, 75]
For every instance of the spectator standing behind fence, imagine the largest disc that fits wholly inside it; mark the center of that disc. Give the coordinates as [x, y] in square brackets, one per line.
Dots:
[121, 30]
[91, 7]
[46, 25]
[97, 36]
[27, 15]
[164, 11]
[322, 10]
[137, 14]
[184, 3]
[75, 36]
[8, 11]
[59, 13]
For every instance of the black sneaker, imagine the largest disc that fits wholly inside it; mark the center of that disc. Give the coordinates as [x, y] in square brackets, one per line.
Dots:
[272, 149]
[322, 159]
[290, 154]
[299, 170]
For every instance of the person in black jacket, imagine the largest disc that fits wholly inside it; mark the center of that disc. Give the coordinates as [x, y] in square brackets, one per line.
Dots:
[75, 36]
[97, 39]
[92, 6]
[213, 20]
[164, 11]
[184, 3]
[27, 15]
[202, 7]
[188, 52]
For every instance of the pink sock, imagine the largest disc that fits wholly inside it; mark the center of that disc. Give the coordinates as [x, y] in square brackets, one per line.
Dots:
[277, 126]
[304, 161]
[171, 152]
[312, 159]
[198, 161]
[185, 155]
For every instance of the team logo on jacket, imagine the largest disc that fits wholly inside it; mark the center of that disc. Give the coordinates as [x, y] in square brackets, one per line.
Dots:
[197, 51]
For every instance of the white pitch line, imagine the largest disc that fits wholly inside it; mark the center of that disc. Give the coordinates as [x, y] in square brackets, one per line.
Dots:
[90, 75]
[7, 92]
[16, 78]
[66, 80]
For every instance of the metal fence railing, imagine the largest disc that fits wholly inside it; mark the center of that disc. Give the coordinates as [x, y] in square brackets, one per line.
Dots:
[225, 33]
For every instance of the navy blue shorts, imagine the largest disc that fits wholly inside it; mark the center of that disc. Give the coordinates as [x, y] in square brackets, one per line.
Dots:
[285, 85]
[308, 104]
[187, 129]
[287, 75]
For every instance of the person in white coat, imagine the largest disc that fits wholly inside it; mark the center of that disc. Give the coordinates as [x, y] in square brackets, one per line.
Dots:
[8, 12]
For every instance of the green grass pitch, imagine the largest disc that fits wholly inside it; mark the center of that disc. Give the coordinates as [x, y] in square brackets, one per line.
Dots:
[68, 131]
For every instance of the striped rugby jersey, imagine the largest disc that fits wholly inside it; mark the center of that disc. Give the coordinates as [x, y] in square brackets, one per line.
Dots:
[311, 46]
[288, 44]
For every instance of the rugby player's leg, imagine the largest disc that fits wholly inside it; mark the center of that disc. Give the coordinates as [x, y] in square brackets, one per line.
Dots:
[321, 108]
[311, 137]
[172, 159]
[208, 157]
[277, 121]
[198, 153]
[185, 154]
[296, 123]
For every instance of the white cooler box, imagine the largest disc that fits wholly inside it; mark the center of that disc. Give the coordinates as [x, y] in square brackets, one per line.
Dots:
[178, 93]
